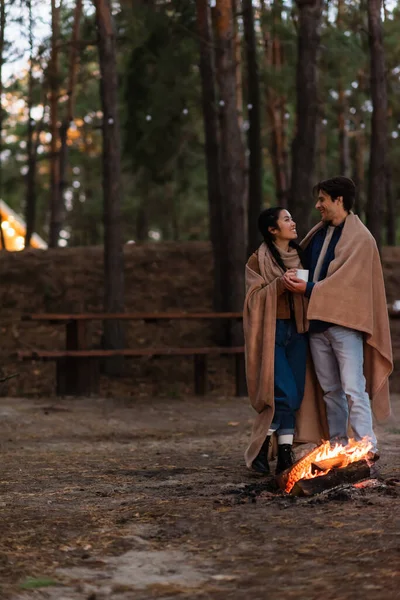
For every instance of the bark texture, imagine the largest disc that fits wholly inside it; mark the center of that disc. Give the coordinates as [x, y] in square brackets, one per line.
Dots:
[56, 206]
[378, 155]
[255, 158]
[304, 143]
[113, 245]
[212, 150]
[68, 118]
[234, 211]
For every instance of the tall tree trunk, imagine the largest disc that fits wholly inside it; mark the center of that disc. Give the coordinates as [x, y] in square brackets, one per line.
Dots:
[276, 105]
[65, 125]
[279, 111]
[2, 30]
[344, 149]
[238, 59]
[323, 149]
[378, 156]
[212, 151]
[359, 170]
[255, 159]
[304, 143]
[358, 146]
[56, 208]
[391, 220]
[113, 245]
[56, 203]
[93, 232]
[31, 195]
[232, 167]
[142, 222]
[30, 204]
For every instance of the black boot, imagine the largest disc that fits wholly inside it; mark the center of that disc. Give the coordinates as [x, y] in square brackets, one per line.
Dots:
[285, 458]
[260, 463]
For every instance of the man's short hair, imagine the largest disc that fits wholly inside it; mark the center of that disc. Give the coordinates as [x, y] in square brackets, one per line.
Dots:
[338, 186]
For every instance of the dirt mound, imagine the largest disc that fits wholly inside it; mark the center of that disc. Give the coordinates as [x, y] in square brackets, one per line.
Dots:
[158, 277]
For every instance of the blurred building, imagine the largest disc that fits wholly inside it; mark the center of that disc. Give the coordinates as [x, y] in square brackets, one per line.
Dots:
[13, 228]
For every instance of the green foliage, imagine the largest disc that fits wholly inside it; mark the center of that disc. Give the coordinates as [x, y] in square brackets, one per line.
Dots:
[164, 176]
[162, 119]
[35, 583]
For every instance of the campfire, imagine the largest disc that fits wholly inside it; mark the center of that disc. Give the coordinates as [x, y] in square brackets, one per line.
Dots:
[327, 466]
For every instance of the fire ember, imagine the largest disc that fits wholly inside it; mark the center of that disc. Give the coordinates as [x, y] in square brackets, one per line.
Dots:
[327, 466]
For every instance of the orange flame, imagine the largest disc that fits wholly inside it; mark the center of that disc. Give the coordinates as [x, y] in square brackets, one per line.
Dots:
[303, 469]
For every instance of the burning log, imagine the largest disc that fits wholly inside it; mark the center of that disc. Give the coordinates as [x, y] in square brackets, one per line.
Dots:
[330, 465]
[354, 472]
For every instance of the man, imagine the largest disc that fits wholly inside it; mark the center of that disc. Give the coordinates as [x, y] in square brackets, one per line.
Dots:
[348, 321]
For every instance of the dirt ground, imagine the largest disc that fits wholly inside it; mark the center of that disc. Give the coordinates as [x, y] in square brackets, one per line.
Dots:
[106, 499]
[142, 493]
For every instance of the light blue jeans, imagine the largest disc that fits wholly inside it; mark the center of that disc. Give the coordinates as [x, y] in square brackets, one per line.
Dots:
[338, 357]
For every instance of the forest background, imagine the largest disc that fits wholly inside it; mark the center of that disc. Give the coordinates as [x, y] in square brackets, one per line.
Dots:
[178, 120]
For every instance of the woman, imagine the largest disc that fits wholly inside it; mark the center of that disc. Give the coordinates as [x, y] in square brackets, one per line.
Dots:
[276, 343]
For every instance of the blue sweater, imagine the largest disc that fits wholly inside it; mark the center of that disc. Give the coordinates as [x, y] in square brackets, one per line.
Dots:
[312, 253]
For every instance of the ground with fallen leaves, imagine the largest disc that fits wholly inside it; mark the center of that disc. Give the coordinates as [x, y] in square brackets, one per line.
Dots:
[106, 499]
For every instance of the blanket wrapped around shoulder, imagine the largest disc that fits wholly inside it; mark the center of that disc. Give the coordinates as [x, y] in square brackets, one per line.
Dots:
[353, 295]
[263, 284]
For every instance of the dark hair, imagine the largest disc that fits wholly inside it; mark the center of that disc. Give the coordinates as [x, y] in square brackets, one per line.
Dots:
[338, 186]
[269, 218]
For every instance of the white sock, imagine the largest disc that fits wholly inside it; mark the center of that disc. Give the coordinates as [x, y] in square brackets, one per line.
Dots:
[271, 431]
[287, 438]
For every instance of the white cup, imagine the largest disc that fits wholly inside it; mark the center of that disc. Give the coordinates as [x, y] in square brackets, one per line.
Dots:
[302, 274]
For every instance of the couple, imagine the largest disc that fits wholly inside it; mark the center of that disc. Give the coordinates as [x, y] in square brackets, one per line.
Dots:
[340, 315]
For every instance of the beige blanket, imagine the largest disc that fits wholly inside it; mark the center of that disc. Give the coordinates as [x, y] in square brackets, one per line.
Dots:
[353, 295]
[263, 284]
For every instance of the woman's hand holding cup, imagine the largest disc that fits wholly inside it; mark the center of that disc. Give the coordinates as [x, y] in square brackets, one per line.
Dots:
[293, 283]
